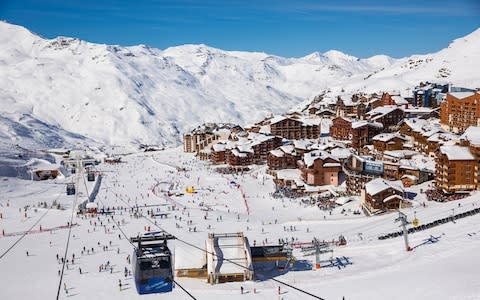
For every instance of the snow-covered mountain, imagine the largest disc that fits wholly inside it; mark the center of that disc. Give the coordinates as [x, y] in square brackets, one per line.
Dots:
[65, 90]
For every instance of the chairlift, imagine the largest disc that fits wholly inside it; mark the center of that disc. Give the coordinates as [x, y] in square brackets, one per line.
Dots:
[70, 189]
[91, 176]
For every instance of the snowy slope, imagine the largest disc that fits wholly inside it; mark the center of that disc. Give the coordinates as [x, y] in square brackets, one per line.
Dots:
[457, 64]
[447, 269]
[131, 95]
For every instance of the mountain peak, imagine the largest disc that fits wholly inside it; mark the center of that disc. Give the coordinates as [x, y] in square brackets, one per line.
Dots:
[161, 94]
[338, 55]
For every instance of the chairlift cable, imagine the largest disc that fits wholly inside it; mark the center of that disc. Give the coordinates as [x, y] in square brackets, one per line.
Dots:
[28, 231]
[133, 245]
[214, 254]
[69, 233]
[184, 289]
[233, 262]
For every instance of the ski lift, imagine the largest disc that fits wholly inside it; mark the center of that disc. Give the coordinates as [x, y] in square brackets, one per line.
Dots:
[91, 176]
[70, 189]
[152, 263]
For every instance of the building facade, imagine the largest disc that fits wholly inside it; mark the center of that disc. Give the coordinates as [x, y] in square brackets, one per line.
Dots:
[460, 111]
[341, 129]
[456, 169]
[295, 129]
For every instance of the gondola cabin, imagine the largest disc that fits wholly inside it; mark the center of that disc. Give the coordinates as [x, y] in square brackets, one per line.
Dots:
[152, 263]
[70, 189]
[91, 176]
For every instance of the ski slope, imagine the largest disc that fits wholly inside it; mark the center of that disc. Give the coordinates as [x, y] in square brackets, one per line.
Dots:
[446, 269]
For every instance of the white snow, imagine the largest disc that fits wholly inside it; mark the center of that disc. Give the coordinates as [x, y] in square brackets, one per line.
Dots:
[455, 152]
[444, 270]
[62, 91]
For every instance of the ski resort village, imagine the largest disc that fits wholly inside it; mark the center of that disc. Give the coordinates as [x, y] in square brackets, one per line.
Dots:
[321, 177]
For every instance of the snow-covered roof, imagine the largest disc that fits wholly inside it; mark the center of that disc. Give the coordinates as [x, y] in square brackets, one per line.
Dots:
[219, 147]
[277, 153]
[418, 110]
[310, 157]
[391, 197]
[461, 95]
[331, 165]
[442, 137]
[310, 122]
[411, 177]
[245, 147]
[385, 137]
[288, 149]
[424, 127]
[455, 152]
[340, 153]
[399, 100]
[237, 153]
[408, 164]
[380, 111]
[302, 144]
[343, 200]
[265, 129]
[378, 185]
[277, 119]
[472, 134]
[362, 123]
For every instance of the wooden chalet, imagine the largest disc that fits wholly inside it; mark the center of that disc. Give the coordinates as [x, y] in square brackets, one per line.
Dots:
[284, 157]
[388, 141]
[380, 195]
[341, 128]
[388, 116]
[363, 133]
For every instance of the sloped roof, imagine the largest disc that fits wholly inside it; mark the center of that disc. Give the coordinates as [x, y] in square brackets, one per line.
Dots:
[461, 95]
[455, 152]
[288, 149]
[277, 153]
[310, 157]
[362, 123]
[442, 137]
[378, 185]
[219, 147]
[385, 137]
[381, 111]
[472, 134]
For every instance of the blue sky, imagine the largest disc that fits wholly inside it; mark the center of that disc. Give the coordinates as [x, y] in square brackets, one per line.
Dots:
[287, 28]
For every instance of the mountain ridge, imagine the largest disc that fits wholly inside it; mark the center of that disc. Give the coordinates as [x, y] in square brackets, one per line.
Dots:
[139, 94]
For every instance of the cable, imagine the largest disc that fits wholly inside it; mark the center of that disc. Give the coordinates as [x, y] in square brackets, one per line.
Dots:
[214, 254]
[124, 234]
[69, 233]
[233, 262]
[28, 231]
[229, 260]
[24, 234]
[185, 290]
